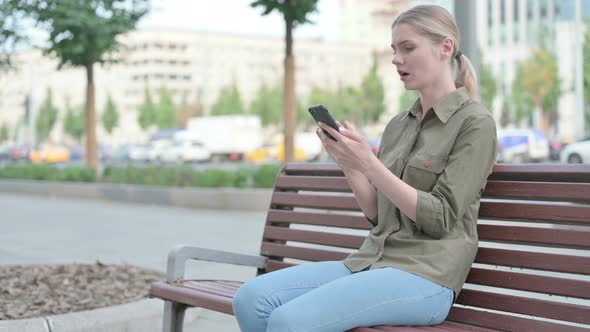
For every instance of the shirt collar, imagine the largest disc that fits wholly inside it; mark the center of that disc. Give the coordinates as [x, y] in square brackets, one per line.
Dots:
[446, 107]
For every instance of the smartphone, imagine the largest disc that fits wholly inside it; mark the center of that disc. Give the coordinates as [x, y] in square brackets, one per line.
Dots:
[321, 114]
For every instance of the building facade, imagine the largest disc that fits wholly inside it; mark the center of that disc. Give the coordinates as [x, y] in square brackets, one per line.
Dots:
[190, 65]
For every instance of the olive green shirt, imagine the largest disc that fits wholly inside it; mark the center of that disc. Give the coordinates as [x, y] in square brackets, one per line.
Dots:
[447, 158]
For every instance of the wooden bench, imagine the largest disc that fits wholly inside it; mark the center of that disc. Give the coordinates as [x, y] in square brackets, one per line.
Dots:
[531, 271]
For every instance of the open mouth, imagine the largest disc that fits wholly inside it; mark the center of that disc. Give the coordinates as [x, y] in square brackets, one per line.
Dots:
[403, 74]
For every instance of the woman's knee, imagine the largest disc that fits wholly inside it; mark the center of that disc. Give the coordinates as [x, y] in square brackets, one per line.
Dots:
[282, 320]
[247, 296]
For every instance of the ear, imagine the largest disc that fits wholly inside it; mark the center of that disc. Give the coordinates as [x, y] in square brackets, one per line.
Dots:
[447, 47]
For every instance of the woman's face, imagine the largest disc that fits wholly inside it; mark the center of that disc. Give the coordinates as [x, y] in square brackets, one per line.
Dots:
[418, 60]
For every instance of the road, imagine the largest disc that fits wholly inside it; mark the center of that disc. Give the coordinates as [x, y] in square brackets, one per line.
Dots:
[39, 230]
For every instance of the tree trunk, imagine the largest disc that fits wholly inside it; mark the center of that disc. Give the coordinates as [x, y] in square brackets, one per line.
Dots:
[289, 106]
[91, 146]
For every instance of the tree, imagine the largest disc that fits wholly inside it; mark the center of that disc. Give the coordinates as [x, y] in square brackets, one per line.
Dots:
[165, 110]
[81, 34]
[407, 99]
[229, 102]
[268, 104]
[4, 132]
[372, 95]
[488, 86]
[189, 110]
[74, 122]
[295, 13]
[147, 111]
[537, 83]
[110, 116]
[10, 33]
[46, 118]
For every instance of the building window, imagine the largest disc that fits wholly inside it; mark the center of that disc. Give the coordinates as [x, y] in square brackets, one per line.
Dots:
[516, 7]
[502, 12]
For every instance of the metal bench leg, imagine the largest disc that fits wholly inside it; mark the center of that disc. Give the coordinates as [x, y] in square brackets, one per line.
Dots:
[173, 316]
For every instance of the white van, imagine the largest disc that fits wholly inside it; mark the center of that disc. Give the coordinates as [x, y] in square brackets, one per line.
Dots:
[523, 145]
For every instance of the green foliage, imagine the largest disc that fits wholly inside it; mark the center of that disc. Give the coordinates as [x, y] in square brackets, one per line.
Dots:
[48, 172]
[11, 33]
[488, 86]
[266, 175]
[292, 10]
[268, 104]
[147, 111]
[4, 132]
[372, 95]
[110, 116]
[229, 102]
[165, 110]
[75, 122]
[407, 99]
[46, 118]
[82, 33]
[538, 82]
[262, 177]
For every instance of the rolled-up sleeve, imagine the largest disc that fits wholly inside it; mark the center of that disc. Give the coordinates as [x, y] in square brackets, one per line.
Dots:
[470, 163]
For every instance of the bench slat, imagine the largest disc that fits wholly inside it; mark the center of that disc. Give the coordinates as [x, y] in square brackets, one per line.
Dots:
[273, 265]
[315, 201]
[560, 191]
[527, 306]
[308, 254]
[558, 235]
[541, 172]
[534, 260]
[570, 214]
[505, 322]
[505, 172]
[315, 183]
[328, 239]
[530, 282]
[319, 219]
[192, 297]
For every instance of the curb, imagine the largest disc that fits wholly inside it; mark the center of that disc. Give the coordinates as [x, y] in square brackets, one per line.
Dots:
[140, 316]
[216, 199]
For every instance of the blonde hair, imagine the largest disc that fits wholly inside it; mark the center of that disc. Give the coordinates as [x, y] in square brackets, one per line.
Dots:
[436, 24]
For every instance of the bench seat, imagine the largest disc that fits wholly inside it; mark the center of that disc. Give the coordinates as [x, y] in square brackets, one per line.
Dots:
[531, 272]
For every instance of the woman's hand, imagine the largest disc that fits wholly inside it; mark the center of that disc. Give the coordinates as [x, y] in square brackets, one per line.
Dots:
[351, 151]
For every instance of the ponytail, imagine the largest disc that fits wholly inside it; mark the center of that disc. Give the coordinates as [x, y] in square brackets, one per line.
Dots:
[465, 75]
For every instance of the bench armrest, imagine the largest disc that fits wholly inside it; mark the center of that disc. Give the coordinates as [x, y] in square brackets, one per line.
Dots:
[180, 254]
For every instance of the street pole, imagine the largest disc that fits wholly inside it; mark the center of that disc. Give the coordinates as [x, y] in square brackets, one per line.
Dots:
[579, 104]
[465, 15]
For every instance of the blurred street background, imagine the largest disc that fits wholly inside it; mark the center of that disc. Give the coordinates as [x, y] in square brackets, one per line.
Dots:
[200, 83]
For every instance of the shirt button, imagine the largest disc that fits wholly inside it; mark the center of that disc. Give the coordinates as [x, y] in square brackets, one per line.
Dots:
[427, 164]
[380, 253]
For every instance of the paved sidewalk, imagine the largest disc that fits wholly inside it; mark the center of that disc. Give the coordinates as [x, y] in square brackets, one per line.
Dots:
[39, 230]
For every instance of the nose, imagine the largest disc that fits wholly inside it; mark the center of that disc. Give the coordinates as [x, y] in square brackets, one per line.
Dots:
[396, 59]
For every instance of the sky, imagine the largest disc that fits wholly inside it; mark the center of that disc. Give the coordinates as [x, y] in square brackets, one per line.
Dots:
[230, 16]
[236, 16]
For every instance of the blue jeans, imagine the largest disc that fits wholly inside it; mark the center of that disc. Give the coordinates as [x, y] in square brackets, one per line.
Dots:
[327, 296]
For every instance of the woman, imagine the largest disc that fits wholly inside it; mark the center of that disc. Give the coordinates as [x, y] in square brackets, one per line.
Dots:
[421, 194]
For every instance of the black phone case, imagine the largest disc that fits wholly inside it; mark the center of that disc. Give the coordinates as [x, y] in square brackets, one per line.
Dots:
[320, 113]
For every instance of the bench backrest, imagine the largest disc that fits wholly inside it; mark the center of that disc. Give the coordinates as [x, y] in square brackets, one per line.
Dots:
[534, 231]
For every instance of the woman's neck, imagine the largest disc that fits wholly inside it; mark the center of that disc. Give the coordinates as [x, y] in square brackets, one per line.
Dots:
[434, 93]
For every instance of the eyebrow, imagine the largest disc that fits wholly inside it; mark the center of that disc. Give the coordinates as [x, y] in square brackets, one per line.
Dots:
[400, 43]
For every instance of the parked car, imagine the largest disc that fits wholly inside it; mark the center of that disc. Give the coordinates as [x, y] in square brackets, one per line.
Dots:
[523, 145]
[184, 151]
[50, 153]
[577, 152]
[138, 152]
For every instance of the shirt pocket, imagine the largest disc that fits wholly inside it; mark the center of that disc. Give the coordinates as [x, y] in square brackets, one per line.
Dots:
[423, 171]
